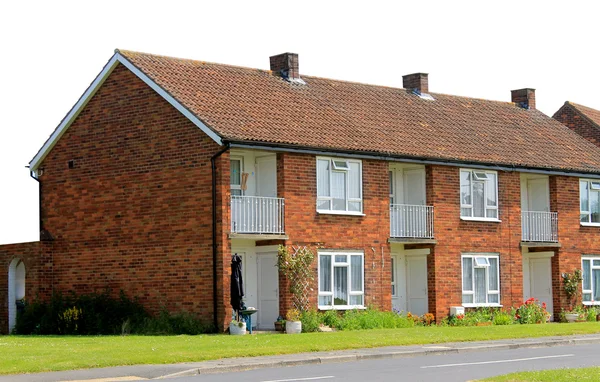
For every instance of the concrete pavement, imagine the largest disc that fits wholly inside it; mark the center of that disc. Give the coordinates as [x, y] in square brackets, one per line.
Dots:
[141, 372]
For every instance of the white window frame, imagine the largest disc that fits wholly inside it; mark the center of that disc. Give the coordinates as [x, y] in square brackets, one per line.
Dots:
[346, 169]
[591, 290]
[592, 187]
[237, 186]
[486, 188]
[489, 291]
[348, 265]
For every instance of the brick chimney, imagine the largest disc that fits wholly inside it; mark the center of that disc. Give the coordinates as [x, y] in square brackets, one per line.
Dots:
[286, 64]
[524, 98]
[416, 81]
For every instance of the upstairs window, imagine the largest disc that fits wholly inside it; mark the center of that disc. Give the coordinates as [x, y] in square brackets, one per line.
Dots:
[591, 280]
[235, 176]
[339, 185]
[589, 197]
[479, 194]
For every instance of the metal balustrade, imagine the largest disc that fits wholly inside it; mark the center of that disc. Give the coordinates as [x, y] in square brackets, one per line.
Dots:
[411, 221]
[539, 226]
[257, 214]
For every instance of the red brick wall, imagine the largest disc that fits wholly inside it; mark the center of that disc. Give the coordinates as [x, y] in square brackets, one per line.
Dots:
[135, 211]
[38, 274]
[455, 237]
[582, 126]
[296, 182]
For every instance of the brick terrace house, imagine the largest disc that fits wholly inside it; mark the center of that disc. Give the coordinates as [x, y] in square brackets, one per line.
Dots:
[583, 120]
[414, 200]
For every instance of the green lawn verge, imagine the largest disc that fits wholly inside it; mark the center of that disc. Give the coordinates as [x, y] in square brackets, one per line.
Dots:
[30, 354]
[559, 375]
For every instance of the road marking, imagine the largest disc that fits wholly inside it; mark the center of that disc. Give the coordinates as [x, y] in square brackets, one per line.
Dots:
[499, 361]
[301, 379]
[110, 379]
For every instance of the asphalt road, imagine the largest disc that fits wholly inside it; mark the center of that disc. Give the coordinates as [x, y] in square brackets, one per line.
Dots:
[447, 368]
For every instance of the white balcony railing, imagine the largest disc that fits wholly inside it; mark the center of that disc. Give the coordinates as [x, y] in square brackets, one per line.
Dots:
[256, 214]
[539, 226]
[411, 221]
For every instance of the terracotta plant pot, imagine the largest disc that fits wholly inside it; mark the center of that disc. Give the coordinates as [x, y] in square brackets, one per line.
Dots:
[279, 326]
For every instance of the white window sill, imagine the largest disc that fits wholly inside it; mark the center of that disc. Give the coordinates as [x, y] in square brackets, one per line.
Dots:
[342, 307]
[591, 303]
[493, 220]
[482, 305]
[349, 213]
[590, 224]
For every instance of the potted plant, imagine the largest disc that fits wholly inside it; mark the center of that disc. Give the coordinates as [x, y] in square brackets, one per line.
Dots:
[280, 324]
[571, 283]
[296, 266]
[237, 328]
[293, 325]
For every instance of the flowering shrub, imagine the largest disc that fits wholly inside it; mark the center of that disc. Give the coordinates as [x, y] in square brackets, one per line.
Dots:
[532, 312]
[428, 319]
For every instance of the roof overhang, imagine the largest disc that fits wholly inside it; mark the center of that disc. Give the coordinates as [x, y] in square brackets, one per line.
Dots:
[116, 59]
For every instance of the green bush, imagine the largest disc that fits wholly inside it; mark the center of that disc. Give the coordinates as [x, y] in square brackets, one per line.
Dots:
[532, 312]
[502, 318]
[311, 320]
[99, 313]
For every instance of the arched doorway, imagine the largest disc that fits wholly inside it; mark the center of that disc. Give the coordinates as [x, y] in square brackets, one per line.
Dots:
[16, 289]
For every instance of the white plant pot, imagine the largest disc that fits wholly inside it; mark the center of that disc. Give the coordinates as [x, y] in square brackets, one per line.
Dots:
[236, 329]
[571, 317]
[293, 327]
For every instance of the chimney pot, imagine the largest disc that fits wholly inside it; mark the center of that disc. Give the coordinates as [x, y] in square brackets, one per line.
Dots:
[416, 81]
[286, 64]
[524, 98]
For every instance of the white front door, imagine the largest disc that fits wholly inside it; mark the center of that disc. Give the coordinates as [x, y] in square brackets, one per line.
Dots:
[416, 284]
[266, 180]
[540, 277]
[398, 286]
[268, 291]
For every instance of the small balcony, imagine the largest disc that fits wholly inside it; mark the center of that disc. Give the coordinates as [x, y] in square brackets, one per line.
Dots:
[540, 227]
[411, 221]
[257, 215]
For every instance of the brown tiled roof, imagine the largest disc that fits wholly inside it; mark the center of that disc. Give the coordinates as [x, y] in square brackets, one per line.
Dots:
[592, 115]
[242, 104]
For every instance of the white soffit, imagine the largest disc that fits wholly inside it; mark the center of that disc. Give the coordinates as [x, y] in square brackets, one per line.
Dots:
[93, 88]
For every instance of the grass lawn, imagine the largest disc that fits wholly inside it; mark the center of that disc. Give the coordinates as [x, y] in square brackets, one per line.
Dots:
[585, 374]
[30, 354]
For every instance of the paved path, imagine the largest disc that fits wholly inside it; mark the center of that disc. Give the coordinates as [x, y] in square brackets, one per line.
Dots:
[132, 373]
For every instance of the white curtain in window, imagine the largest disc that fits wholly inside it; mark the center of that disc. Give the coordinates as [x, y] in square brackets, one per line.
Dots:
[595, 206]
[491, 190]
[325, 273]
[354, 181]
[467, 274]
[493, 274]
[480, 289]
[478, 200]
[596, 278]
[356, 274]
[323, 177]
[338, 190]
[587, 274]
[340, 285]
[235, 173]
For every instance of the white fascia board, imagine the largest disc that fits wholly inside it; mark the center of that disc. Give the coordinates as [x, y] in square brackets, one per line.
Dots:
[93, 88]
[169, 98]
[73, 113]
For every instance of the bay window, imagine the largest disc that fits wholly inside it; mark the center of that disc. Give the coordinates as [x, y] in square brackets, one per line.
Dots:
[480, 280]
[339, 185]
[341, 280]
[479, 194]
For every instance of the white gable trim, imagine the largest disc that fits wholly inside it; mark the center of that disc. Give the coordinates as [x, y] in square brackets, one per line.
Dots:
[93, 88]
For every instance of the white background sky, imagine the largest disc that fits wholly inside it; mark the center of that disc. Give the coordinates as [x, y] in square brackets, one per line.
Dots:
[52, 50]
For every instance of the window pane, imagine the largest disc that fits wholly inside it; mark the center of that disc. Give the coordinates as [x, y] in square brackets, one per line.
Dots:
[325, 300]
[491, 190]
[587, 274]
[493, 298]
[478, 200]
[585, 217]
[391, 187]
[356, 300]
[356, 275]
[354, 181]
[340, 286]
[596, 284]
[325, 273]
[583, 195]
[323, 177]
[480, 289]
[467, 298]
[465, 212]
[338, 190]
[236, 192]
[341, 258]
[596, 263]
[587, 297]
[467, 265]
[465, 187]
[235, 172]
[355, 206]
[492, 213]
[323, 204]
[595, 206]
[493, 274]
